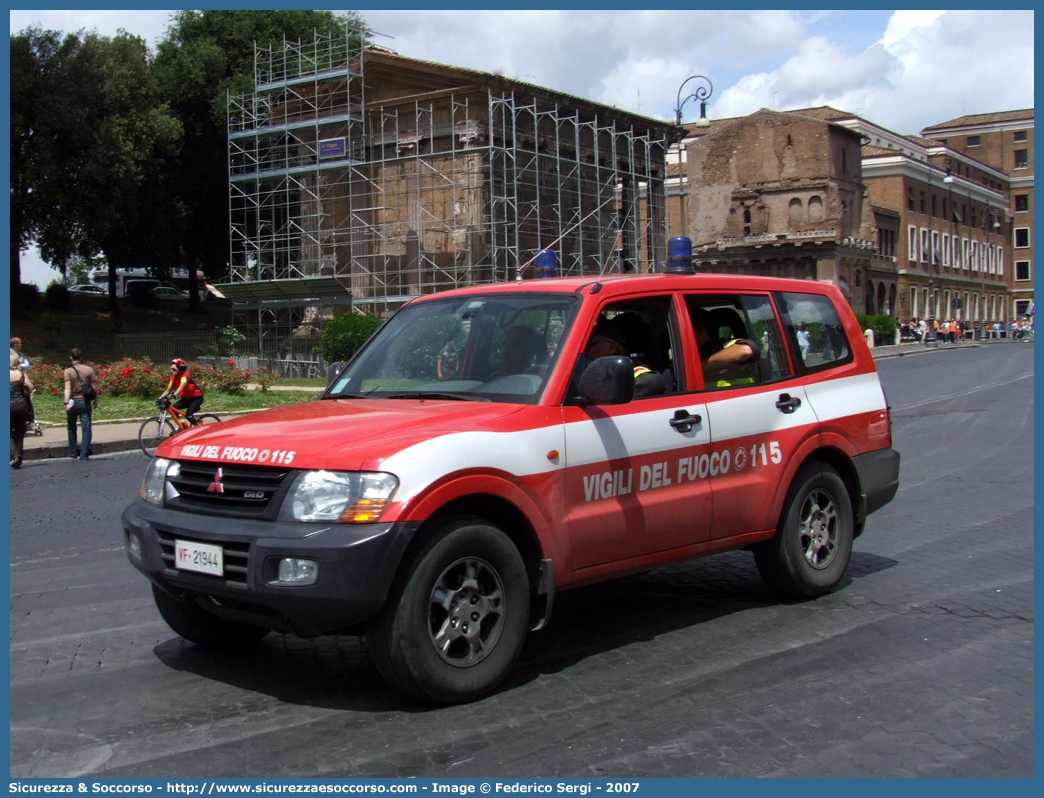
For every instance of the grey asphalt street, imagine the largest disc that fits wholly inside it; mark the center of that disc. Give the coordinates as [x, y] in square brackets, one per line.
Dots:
[920, 664]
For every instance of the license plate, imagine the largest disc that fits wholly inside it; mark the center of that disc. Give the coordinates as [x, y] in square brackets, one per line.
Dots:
[200, 557]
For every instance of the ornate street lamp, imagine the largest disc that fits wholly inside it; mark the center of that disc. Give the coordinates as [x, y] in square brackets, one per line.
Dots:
[930, 338]
[702, 94]
[994, 213]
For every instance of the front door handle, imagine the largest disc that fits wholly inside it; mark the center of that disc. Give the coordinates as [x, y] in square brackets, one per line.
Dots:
[787, 403]
[683, 422]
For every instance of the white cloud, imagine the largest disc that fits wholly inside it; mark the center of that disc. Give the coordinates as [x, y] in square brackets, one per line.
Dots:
[928, 67]
[903, 23]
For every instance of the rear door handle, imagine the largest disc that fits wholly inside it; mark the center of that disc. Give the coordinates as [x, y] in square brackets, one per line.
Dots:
[683, 422]
[787, 403]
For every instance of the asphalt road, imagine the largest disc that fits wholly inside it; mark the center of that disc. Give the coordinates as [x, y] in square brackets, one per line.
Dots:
[921, 664]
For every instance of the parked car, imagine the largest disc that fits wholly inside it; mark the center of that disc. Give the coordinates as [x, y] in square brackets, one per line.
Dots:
[167, 292]
[87, 288]
[491, 446]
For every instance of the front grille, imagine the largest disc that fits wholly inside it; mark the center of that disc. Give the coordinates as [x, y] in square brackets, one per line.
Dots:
[243, 491]
[235, 556]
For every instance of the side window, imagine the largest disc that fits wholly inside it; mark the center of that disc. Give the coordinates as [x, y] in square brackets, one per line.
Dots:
[643, 330]
[814, 330]
[738, 338]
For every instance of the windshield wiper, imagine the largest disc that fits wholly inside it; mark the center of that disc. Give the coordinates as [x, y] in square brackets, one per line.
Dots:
[436, 395]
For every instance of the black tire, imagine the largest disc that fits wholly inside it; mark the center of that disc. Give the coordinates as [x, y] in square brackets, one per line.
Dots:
[207, 418]
[813, 542]
[153, 432]
[423, 644]
[200, 627]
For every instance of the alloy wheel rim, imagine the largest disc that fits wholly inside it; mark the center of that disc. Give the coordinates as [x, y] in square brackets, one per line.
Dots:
[466, 612]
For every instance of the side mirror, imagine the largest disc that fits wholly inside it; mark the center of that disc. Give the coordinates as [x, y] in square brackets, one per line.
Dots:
[608, 381]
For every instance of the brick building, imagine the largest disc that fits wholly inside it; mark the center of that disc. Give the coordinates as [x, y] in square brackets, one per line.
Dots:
[1004, 141]
[824, 194]
[781, 194]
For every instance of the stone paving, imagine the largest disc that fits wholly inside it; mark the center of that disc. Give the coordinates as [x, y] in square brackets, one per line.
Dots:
[920, 664]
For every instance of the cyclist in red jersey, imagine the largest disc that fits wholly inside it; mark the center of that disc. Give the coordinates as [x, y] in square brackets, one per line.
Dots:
[184, 388]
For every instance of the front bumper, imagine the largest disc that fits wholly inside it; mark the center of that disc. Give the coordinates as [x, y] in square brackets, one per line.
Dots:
[356, 567]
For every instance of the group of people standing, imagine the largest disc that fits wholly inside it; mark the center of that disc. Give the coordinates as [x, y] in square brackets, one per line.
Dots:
[953, 330]
[80, 399]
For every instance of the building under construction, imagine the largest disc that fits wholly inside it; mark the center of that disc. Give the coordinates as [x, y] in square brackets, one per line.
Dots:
[398, 177]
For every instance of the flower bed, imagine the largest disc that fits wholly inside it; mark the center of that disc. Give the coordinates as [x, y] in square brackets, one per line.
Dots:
[145, 379]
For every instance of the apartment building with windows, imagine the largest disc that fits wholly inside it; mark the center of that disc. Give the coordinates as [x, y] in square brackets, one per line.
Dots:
[1004, 141]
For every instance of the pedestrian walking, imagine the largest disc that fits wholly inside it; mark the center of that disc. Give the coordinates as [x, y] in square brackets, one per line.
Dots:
[21, 390]
[81, 399]
[804, 340]
[24, 366]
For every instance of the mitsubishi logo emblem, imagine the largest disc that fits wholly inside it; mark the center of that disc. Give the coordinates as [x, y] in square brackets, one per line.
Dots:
[216, 486]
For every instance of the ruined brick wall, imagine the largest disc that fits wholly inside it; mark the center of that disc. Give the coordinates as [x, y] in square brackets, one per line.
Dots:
[774, 174]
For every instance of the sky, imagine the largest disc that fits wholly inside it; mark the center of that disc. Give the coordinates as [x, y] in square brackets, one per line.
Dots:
[903, 70]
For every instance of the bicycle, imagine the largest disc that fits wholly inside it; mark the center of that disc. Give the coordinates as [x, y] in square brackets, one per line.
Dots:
[157, 429]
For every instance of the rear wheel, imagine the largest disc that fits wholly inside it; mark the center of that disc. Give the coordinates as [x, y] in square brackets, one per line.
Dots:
[813, 542]
[456, 616]
[207, 418]
[153, 432]
[200, 627]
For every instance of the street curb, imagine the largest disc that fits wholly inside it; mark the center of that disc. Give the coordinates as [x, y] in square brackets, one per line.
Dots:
[59, 450]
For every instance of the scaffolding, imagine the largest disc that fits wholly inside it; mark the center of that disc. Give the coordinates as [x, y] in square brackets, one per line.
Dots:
[403, 189]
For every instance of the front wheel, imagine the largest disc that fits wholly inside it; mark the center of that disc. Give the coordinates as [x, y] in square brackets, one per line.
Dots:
[201, 627]
[813, 542]
[153, 432]
[456, 616]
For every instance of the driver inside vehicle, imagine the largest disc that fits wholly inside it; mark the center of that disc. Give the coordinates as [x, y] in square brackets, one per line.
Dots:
[523, 349]
[610, 337]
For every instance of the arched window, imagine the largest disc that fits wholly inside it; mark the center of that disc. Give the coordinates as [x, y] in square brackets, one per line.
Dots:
[746, 221]
[796, 212]
[815, 209]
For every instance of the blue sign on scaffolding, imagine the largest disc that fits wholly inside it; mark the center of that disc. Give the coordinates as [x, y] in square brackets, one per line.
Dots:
[332, 148]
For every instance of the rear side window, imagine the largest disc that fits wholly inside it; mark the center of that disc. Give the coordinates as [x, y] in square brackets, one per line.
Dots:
[814, 330]
[746, 322]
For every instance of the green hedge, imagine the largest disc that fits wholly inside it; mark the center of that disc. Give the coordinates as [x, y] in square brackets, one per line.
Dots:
[884, 328]
[343, 335]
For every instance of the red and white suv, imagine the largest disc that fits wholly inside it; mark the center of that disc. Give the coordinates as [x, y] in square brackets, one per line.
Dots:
[471, 461]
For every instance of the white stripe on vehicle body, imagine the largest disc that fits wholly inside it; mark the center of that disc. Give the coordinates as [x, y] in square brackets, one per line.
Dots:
[598, 440]
[519, 453]
[848, 396]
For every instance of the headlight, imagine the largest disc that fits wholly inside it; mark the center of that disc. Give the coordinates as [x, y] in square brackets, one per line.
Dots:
[152, 487]
[348, 497]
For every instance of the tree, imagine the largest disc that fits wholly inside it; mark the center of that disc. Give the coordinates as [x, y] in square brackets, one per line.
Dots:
[124, 158]
[39, 96]
[98, 151]
[204, 55]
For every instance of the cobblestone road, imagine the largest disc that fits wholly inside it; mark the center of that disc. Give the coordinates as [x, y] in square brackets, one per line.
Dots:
[921, 664]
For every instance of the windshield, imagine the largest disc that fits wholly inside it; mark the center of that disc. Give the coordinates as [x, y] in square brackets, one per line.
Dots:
[499, 348]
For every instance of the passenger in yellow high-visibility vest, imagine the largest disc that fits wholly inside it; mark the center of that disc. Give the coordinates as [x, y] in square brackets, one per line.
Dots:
[719, 354]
